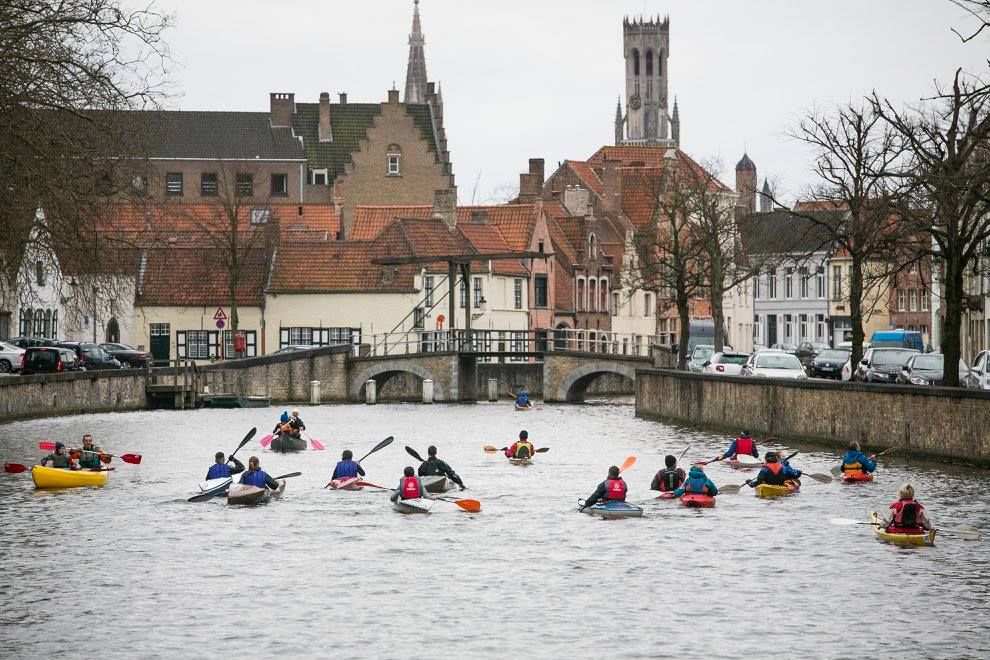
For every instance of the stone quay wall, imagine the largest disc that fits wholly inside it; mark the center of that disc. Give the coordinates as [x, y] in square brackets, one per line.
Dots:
[47, 395]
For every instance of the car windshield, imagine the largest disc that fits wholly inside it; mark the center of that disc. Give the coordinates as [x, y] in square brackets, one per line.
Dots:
[777, 362]
[819, 345]
[933, 362]
[833, 354]
[92, 351]
[892, 343]
[891, 357]
[733, 359]
[702, 353]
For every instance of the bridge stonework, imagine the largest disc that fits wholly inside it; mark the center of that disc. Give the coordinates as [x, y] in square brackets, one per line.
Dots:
[441, 368]
[567, 375]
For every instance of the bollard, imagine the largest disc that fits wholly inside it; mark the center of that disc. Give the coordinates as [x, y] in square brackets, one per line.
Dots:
[493, 389]
[370, 392]
[427, 391]
[314, 392]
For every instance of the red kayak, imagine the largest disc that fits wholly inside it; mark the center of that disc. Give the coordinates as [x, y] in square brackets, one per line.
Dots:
[856, 477]
[669, 495]
[697, 500]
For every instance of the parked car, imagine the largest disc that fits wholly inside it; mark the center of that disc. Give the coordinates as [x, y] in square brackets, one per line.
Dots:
[10, 357]
[979, 375]
[725, 363]
[774, 364]
[294, 348]
[808, 350]
[848, 345]
[928, 369]
[897, 339]
[698, 356]
[127, 355]
[49, 360]
[91, 355]
[759, 347]
[828, 363]
[786, 348]
[28, 342]
[882, 365]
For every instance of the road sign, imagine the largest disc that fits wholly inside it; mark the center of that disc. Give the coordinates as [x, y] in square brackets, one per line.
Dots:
[220, 324]
[220, 315]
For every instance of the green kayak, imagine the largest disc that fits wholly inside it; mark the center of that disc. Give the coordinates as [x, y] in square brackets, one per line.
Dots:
[285, 443]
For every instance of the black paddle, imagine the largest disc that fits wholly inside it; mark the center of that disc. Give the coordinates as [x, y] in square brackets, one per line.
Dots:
[412, 452]
[247, 439]
[288, 476]
[381, 445]
[204, 497]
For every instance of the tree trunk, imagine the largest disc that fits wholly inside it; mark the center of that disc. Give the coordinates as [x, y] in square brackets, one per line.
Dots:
[952, 293]
[684, 318]
[856, 310]
[234, 273]
[718, 315]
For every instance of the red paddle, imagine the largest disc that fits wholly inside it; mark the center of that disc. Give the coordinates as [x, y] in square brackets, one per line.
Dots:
[133, 459]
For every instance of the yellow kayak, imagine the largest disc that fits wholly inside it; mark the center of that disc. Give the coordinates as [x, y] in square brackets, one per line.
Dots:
[927, 538]
[769, 490]
[48, 477]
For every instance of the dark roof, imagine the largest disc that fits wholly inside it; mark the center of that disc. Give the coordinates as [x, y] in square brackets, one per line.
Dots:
[209, 135]
[745, 163]
[786, 232]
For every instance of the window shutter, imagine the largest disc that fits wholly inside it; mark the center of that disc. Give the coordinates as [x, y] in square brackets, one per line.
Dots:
[283, 337]
[180, 344]
[212, 339]
[324, 336]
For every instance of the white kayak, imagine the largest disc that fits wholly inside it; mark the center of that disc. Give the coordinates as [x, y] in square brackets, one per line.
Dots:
[415, 505]
[435, 484]
[212, 488]
[241, 494]
[613, 509]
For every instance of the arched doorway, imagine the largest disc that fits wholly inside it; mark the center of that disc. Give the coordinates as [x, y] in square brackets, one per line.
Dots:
[113, 331]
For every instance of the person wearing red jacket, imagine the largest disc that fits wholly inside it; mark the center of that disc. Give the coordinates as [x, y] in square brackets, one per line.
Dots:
[741, 446]
[906, 515]
[522, 448]
[613, 489]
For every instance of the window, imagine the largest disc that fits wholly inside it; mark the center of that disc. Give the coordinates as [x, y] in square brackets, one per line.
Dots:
[24, 330]
[540, 291]
[649, 62]
[173, 184]
[317, 336]
[804, 327]
[428, 290]
[615, 303]
[393, 165]
[251, 348]
[4, 326]
[913, 300]
[789, 284]
[517, 291]
[47, 330]
[592, 295]
[244, 183]
[260, 216]
[603, 296]
[772, 285]
[463, 293]
[39, 323]
[647, 304]
[476, 293]
[419, 317]
[820, 328]
[39, 273]
[757, 285]
[159, 329]
[320, 177]
[280, 185]
[592, 247]
[788, 322]
[820, 282]
[197, 344]
[579, 303]
[925, 300]
[541, 247]
[900, 300]
[836, 283]
[208, 185]
[635, 59]
[804, 285]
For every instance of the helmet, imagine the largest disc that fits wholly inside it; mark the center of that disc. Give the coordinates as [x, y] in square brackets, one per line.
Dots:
[285, 417]
[524, 435]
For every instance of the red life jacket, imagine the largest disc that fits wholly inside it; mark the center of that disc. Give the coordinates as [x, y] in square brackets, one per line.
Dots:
[615, 489]
[410, 488]
[775, 476]
[744, 447]
[670, 480]
[907, 517]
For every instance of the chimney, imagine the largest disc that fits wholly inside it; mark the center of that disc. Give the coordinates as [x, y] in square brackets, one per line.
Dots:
[612, 183]
[343, 98]
[283, 106]
[445, 206]
[529, 188]
[576, 200]
[325, 134]
[431, 90]
[536, 166]
[393, 96]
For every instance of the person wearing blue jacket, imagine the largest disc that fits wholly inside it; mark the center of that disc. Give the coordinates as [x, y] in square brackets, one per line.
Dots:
[698, 483]
[774, 472]
[347, 468]
[221, 468]
[522, 399]
[856, 462]
[255, 476]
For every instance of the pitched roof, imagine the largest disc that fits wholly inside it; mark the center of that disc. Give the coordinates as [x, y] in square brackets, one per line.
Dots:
[337, 267]
[787, 232]
[516, 222]
[184, 276]
[487, 239]
[587, 174]
[369, 221]
[653, 157]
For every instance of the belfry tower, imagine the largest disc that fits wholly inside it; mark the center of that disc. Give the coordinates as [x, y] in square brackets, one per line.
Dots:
[646, 46]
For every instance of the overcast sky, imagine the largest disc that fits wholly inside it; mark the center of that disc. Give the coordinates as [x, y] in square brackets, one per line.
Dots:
[528, 78]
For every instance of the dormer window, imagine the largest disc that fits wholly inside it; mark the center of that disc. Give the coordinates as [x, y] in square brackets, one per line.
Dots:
[320, 177]
[394, 160]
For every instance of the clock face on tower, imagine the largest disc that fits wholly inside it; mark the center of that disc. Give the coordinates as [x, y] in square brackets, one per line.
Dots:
[634, 102]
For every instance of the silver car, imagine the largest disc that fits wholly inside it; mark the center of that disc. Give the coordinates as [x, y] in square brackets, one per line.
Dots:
[726, 363]
[774, 364]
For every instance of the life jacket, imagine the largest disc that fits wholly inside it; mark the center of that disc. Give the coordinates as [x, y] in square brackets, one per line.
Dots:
[670, 479]
[218, 471]
[296, 423]
[89, 458]
[524, 449]
[255, 478]
[852, 468]
[696, 485]
[63, 461]
[774, 474]
[615, 490]
[285, 428]
[522, 400]
[744, 446]
[410, 488]
[346, 469]
[907, 518]
[431, 467]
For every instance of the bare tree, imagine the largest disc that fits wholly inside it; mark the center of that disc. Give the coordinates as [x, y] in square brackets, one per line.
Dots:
[978, 9]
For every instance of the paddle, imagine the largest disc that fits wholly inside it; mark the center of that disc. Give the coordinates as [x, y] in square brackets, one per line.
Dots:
[203, 497]
[682, 454]
[412, 452]
[732, 489]
[317, 445]
[133, 459]
[17, 468]
[820, 478]
[288, 476]
[472, 506]
[247, 438]
[626, 464]
[491, 449]
[267, 440]
[381, 445]
[967, 532]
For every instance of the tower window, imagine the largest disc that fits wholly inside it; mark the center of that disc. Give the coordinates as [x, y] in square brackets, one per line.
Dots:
[635, 56]
[649, 62]
[394, 160]
[660, 63]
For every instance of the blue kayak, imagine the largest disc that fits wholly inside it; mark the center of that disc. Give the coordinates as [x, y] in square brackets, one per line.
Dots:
[614, 510]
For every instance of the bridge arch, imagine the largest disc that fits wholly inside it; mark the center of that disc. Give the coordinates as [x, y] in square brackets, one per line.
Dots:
[575, 384]
[381, 372]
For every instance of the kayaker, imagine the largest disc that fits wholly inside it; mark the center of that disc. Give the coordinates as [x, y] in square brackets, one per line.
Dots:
[90, 456]
[296, 424]
[697, 482]
[774, 472]
[222, 469]
[906, 515]
[60, 458]
[255, 476]
[283, 425]
[522, 399]
[613, 489]
[670, 477]
[856, 462]
[410, 486]
[434, 467]
[347, 467]
[522, 448]
[741, 446]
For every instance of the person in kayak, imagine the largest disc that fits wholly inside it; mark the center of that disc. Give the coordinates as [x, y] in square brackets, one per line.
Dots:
[90, 456]
[906, 515]
[222, 469]
[774, 472]
[522, 399]
[741, 446]
[856, 462]
[434, 467]
[697, 483]
[522, 448]
[347, 467]
[283, 426]
[410, 486]
[670, 477]
[255, 476]
[296, 425]
[60, 458]
[613, 489]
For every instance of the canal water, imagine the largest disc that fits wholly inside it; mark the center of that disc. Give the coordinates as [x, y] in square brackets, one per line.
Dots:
[133, 570]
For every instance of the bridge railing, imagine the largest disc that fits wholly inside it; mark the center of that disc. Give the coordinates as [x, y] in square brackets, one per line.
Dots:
[512, 345]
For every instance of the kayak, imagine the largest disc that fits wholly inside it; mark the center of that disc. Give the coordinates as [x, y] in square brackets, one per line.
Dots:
[521, 461]
[284, 443]
[768, 490]
[347, 483]
[212, 488]
[414, 505]
[49, 477]
[434, 484]
[529, 407]
[922, 538]
[697, 500]
[744, 465]
[614, 509]
[856, 477]
[669, 495]
[241, 494]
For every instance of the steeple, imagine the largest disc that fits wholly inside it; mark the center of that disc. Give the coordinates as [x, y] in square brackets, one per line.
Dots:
[416, 70]
[766, 198]
[675, 125]
[618, 123]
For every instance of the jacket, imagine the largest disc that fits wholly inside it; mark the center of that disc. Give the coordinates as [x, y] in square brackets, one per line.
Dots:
[697, 482]
[347, 470]
[224, 470]
[857, 461]
[434, 467]
[397, 493]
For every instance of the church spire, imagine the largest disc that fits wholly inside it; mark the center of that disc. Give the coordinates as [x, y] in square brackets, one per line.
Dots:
[675, 125]
[619, 133]
[416, 71]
